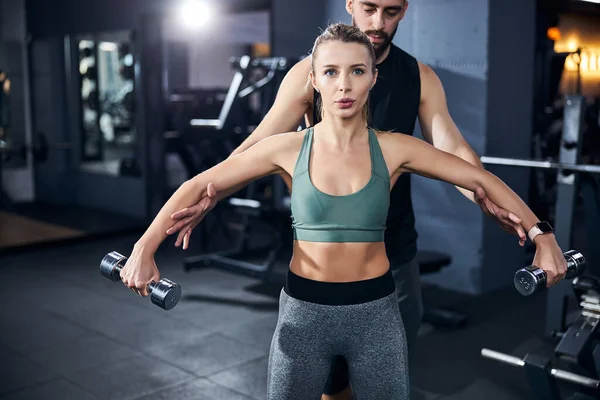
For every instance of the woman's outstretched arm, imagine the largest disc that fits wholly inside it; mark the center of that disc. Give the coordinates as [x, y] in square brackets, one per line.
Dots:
[423, 159]
[258, 161]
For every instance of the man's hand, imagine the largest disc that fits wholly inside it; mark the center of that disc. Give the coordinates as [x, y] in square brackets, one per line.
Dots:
[509, 221]
[188, 218]
[550, 258]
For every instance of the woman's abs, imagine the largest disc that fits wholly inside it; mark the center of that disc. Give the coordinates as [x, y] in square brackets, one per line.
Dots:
[339, 262]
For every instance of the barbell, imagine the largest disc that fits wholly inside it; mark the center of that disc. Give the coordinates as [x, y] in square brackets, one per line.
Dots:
[39, 149]
[515, 162]
[556, 373]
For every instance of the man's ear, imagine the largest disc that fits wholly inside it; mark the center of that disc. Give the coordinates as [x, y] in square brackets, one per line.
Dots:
[375, 78]
[349, 6]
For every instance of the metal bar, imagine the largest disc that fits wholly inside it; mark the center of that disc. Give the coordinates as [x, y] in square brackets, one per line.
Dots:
[557, 373]
[515, 162]
[505, 358]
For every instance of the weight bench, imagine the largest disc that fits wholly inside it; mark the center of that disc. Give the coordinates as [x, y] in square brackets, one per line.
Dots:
[430, 262]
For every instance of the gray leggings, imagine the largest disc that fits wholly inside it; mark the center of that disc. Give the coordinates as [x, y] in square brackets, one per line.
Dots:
[370, 335]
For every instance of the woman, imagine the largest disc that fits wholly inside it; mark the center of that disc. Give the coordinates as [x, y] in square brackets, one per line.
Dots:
[339, 298]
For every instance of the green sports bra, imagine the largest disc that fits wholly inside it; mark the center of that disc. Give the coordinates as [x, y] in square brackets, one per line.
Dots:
[356, 217]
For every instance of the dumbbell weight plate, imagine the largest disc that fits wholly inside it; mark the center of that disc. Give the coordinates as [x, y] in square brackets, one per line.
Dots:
[528, 279]
[111, 266]
[165, 294]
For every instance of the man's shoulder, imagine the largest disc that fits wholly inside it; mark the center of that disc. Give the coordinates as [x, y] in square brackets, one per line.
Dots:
[404, 59]
[400, 52]
[419, 68]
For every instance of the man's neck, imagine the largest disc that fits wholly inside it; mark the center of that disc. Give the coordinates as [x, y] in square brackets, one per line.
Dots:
[384, 55]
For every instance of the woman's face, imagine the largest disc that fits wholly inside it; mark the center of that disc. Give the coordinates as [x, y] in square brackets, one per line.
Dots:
[343, 74]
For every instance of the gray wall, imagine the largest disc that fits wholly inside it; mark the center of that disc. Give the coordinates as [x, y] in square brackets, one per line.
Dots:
[296, 25]
[208, 60]
[509, 123]
[467, 44]
[452, 38]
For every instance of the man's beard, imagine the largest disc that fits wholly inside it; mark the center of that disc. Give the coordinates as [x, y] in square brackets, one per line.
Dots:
[380, 48]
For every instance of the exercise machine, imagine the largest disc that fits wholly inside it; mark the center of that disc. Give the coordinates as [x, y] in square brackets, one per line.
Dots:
[568, 169]
[271, 207]
[579, 348]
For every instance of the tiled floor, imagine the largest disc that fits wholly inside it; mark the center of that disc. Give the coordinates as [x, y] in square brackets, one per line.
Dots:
[68, 333]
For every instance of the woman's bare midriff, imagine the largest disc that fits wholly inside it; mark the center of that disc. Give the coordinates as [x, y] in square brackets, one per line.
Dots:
[339, 262]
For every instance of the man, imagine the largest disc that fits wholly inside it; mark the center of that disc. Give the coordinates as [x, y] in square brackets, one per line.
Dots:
[405, 89]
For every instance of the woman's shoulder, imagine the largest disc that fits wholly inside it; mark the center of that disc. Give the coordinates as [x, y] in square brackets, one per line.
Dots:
[390, 138]
[285, 141]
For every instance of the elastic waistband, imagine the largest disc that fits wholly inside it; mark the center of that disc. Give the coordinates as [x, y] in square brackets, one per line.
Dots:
[339, 235]
[339, 293]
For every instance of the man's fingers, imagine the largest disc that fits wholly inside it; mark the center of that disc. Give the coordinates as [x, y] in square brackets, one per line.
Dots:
[186, 238]
[205, 203]
[178, 226]
[479, 194]
[514, 218]
[210, 190]
[186, 212]
[181, 236]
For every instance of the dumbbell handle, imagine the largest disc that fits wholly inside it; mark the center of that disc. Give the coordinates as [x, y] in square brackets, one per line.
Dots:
[532, 278]
[117, 273]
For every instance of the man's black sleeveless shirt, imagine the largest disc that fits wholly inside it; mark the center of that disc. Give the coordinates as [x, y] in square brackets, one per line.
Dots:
[394, 106]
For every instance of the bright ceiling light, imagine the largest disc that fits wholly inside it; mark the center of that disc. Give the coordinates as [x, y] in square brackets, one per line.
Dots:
[195, 13]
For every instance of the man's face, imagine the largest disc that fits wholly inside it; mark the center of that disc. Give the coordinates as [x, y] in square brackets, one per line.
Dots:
[378, 19]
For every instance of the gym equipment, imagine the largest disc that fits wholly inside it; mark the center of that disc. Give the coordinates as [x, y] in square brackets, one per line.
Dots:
[243, 66]
[164, 293]
[542, 377]
[567, 184]
[579, 344]
[270, 209]
[40, 148]
[532, 279]
[516, 162]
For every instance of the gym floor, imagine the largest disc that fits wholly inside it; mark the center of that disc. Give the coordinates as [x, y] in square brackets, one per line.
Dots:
[69, 333]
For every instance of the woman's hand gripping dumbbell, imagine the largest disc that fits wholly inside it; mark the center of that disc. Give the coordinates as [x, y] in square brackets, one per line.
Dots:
[164, 293]
[532, 279]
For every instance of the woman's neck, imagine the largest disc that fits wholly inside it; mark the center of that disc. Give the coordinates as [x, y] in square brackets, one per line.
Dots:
[342, 132]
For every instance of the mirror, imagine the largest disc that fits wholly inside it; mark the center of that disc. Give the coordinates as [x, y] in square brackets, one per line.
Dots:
[107, 90]
[12, 102]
